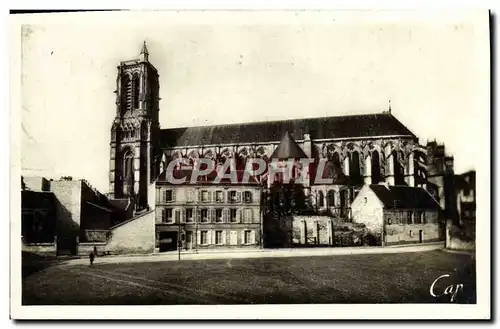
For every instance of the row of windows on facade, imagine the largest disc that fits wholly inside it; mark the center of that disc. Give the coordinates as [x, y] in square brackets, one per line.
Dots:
[345, 196]
[219, 238]
[207, 196]
[411, 217]
[206, 215]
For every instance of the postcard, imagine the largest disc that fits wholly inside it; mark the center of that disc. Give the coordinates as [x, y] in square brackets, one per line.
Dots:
[250, 165]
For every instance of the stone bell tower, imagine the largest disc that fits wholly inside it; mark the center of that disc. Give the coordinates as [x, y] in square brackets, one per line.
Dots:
[135, 130]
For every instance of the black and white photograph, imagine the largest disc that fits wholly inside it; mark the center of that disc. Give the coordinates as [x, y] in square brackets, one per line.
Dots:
[312, 164]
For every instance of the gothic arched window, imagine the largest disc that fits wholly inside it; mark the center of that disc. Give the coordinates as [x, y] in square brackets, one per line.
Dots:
[128, 167]
[376, 177]
[354, 170]
[330, 198]
[136, 87]
[126, 93]
[321, 199]
[399, 170]
[334, 166]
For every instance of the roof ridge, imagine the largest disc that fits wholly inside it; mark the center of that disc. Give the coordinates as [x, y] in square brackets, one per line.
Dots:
[284, 120]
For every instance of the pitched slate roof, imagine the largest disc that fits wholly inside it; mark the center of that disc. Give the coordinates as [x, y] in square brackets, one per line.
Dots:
[404, 197]
[121, 204]
[208, 179]
[288, 149]
[381, 124]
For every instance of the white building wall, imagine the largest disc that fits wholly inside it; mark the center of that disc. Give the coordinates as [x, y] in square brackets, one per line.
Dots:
[368, 209]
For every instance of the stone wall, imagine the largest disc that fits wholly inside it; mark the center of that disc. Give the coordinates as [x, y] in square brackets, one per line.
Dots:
[399, 232]
[68, 208]
[68, 193]
[367, 209]
[40, 248]
[36, 183]
[312, 230]
[134, 236]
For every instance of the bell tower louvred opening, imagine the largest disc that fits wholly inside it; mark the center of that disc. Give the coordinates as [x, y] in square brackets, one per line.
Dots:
[133, 143]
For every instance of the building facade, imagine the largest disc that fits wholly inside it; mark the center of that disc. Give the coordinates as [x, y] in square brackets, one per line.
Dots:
[61, 216]
[207, 216]
[466, 197]
[357, 150]
[400, 214]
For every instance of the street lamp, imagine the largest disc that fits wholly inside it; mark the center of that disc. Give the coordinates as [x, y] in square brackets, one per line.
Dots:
[180, 238]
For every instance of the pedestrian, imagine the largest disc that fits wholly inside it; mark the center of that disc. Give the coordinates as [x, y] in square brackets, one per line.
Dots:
[91, 257]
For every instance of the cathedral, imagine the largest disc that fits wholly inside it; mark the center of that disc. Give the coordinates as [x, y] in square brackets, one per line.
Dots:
[358, 150]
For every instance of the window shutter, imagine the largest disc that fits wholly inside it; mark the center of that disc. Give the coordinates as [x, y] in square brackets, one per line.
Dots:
[209, 237]
[242, 241]
[198, 237]
[198, 215]
[212, 215]
[183, 215]
[163, 214]
[224, 215]
[199, 196]
[223, 237]
[209, 194]
[238, 196]
[243, 215]
[240, 215]
[173, 194]
[227, 196]
[214, 196]
[164, 196]
[158, 195]
[252, 237]
[212, 235]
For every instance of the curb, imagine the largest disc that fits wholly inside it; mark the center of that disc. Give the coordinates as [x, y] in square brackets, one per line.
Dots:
[315, 252]
[460, 252]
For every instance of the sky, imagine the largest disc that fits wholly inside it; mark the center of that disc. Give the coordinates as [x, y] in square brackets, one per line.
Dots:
[218, 68]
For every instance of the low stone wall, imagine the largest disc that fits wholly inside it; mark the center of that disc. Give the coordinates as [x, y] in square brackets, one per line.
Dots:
[135, 236]
[328, 231]
[40, 248]
[315, 230]
[84, 249]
